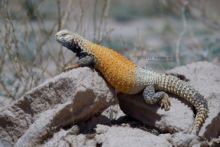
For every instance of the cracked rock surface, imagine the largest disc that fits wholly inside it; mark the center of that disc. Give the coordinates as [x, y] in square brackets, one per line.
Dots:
[64, 100]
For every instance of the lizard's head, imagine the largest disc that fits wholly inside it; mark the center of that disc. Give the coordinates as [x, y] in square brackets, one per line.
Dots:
[73, 42]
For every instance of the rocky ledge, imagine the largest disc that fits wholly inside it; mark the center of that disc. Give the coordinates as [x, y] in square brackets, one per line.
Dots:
[79, 108]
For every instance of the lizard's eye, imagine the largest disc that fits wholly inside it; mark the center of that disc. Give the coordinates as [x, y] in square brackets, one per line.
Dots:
[64, 34]
[61, 35]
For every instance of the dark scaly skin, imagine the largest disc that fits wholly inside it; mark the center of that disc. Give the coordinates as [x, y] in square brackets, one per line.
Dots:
[128, 78]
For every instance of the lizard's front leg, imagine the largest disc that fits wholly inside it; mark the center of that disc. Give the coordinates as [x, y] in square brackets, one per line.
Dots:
[84, 61]
[161, 97]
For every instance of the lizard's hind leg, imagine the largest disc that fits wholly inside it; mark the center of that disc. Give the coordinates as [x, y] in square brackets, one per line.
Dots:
[152, 97]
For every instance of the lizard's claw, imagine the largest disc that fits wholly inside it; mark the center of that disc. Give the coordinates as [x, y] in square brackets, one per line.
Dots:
[165, 103]
[70, 67]
[65, 69]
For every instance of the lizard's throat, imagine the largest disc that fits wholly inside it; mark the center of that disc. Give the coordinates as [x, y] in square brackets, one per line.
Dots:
[74, 47]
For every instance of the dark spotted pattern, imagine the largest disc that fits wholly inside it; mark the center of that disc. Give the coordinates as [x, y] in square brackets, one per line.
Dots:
[181, 88]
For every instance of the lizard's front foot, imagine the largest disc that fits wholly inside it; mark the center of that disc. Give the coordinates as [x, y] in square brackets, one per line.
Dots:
[70, 67]
[165, 102]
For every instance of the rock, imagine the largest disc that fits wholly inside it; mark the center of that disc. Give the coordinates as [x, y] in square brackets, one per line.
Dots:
[64, 111]
[107, 137]
[68, 137]
[4, 143]
[126, 136]
[178, 118]
[184, 140]
[65, 99]
[215, 142]
[113, 112]
[87, 136]
[204, 77]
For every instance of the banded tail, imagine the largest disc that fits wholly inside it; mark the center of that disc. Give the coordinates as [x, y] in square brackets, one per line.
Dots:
[180, 88]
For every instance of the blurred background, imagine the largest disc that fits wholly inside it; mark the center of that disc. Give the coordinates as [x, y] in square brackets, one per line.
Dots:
[155, 34]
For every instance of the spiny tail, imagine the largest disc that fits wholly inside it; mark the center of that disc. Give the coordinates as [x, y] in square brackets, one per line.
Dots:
[180, 88]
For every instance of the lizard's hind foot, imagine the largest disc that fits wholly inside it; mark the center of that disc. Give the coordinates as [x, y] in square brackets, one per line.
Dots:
[165, 102]
[152, 97]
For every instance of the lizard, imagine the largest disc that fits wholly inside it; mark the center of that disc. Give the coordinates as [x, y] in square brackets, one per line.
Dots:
[128, 78]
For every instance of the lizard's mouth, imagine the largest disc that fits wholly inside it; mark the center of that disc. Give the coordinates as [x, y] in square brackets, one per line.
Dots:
[68, 43]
